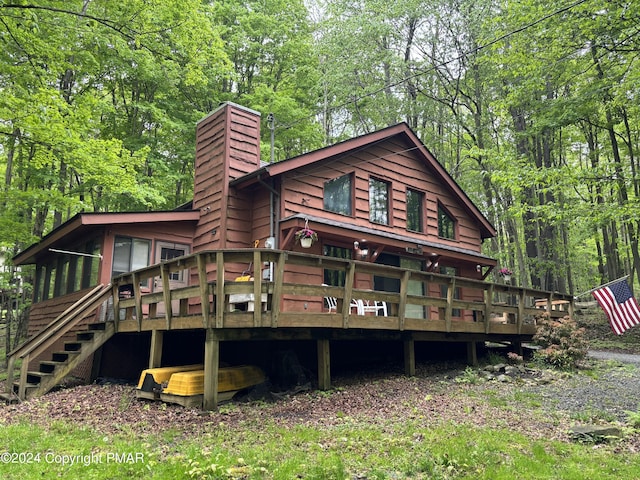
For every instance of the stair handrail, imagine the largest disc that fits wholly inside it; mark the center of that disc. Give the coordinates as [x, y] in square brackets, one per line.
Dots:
[60, 321]
[58, 327]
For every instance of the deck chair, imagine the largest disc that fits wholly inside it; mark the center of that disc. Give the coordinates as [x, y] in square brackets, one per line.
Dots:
[377, 307]
[332, 303]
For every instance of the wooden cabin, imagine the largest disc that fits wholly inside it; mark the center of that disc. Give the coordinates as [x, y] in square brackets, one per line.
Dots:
[397, 256]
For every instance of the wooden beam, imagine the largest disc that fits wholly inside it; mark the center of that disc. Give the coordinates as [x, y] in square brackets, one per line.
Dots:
[278, 279]
[324, 364]
[115, 294]
[472, 354]
[221, 302]
[211, 368]
[166, 294]
[137, 294]
[348, 294]
[257, 288]
[204, 291]
[520, 321]
[404, 289]
[449, 310]
[155, 352]
[409, 358]
[487, 308]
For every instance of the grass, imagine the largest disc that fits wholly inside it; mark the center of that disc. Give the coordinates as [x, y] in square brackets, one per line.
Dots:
[354, 449]
[348, 447]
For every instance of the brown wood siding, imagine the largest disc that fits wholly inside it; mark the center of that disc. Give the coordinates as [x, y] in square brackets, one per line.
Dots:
[227, 146]
[303, 193]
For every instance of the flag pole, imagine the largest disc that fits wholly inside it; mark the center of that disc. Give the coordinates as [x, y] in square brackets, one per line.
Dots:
[601, 286]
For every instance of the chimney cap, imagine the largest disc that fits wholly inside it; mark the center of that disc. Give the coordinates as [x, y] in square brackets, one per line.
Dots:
[232, 105]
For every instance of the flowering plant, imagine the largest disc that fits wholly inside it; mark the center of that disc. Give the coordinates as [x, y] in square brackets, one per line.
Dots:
[306, 233]
[504, 272]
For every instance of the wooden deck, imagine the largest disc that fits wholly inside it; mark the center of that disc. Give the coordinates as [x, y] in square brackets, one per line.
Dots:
[293, 306]
[214, 291]
[492, 309]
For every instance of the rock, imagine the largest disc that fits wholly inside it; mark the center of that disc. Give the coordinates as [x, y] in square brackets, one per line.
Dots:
[499, 367]
[504, 378]
[511, 370]
[594, 432]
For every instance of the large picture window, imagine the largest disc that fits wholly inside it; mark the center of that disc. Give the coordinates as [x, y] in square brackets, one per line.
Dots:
[130, 254]
[337, 195]
[415, 200]
[378, 201]
[68, 273]
[446, 224]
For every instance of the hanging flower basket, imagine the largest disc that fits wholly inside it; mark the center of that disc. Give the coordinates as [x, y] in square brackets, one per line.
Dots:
[505, 273]
[306, 237]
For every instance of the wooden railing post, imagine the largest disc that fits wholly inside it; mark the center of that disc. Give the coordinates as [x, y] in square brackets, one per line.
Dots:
[116, 306]
[449, 310]
[137, 294]
[520, 311]
[166, 294]
[257, 288]
[204, 291]
[348, 294]
[404, 289]
[220, 296]
[278, 279]
[488, 307]
[22, 385]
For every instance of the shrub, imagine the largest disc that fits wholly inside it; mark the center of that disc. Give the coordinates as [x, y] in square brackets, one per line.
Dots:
[562, 342]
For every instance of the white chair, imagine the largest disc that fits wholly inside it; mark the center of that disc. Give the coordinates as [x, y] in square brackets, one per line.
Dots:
[376, 307]
[332, 303]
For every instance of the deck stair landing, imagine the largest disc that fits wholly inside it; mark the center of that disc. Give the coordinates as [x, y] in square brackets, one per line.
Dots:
[51, 372]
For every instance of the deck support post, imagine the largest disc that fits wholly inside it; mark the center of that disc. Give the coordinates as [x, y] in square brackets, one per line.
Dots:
[324, 364]
[211, 367]
[472, 353]
[155, 353]
[409, 358]
[517, 348]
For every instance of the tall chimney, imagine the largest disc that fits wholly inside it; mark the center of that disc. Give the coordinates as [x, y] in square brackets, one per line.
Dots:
[227, 147]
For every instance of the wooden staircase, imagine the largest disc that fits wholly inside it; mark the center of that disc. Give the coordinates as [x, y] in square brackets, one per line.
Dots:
[51, 372]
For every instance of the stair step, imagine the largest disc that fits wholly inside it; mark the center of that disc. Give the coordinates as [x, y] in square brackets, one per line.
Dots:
[49, 366]
[28, 386]
[35, 378]
[100, 326]
[85, 336]
[8, 398]
[74, 346]
[63, 356]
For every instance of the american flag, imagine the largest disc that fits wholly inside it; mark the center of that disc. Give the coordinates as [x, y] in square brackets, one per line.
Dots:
[618, 303]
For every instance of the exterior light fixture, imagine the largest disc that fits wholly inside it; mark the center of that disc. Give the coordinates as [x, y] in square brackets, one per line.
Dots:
[363, 250]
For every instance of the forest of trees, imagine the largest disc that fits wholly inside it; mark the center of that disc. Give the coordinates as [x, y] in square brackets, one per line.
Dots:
[532, 106]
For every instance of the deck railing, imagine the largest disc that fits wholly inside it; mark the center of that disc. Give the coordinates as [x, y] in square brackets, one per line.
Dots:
[292, 294]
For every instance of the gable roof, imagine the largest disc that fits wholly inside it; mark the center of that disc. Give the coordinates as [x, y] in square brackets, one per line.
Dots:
[83, 222]
[362, 142]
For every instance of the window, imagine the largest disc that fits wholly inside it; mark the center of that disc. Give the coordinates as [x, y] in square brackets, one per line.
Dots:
[335, 278]
[378, 201]
[130, 254]
[169, 253]
[337, 195]
[68, 273]
[446, 224]
[414, 210]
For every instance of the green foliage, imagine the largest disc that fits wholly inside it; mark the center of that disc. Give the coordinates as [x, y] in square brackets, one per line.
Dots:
[633, 418]
[562, 342]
